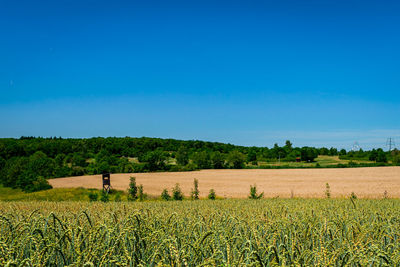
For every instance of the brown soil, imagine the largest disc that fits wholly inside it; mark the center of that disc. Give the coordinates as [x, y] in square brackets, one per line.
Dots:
[364, 182]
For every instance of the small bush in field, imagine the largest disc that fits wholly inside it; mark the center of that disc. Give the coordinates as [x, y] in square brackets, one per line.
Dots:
[327, 191]
[133, 190]
[253, 193]
[212, 194]
[165, 195]
[195, 191]
[177, 193]
[93, 196]
[141, 195]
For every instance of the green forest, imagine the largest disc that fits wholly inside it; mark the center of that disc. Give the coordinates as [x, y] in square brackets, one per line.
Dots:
[28, 162]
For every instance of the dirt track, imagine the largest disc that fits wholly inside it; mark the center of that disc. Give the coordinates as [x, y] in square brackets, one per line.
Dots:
[365, 182]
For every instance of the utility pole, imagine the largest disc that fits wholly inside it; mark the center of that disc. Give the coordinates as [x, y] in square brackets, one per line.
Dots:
[390, 143]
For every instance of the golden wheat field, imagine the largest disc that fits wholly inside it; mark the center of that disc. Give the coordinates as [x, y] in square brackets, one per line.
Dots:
[364, 182]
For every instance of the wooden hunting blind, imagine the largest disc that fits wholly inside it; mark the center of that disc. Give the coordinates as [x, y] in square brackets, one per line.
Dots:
[106, 182]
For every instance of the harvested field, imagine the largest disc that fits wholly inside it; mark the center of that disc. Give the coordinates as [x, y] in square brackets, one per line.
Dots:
[364, 182]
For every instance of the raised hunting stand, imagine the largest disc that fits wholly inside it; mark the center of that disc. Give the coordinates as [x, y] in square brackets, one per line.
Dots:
[106, 182]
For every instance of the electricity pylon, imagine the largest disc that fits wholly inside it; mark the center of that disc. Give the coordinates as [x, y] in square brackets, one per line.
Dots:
[390, 143]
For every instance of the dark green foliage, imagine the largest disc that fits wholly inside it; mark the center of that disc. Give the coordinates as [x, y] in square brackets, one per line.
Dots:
[182, 156]
[253, 193]
[217, 160]
[395, 157]
[202, 160]
[292, 156]
[28, 173]
[117, 197]
[212, 195]
[2, 163]
[141, 195]
[288, 146]
[333, 151]
[39, 184]
[155, 160]
[165, 195]
[195, 191]
[373, 155]
[78, 160]
[133, 189]
[308, 154]
[236, 159]
[104, 197]
[177, 193]
[103, 167]
[381, 156]
[252, 156]
[93, 196]
[24, 160]
[378, 155]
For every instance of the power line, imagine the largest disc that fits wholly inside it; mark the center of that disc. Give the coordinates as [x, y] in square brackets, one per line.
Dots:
[390, 143]
[356, 147]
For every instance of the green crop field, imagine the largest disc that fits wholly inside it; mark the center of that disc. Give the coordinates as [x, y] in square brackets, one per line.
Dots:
[270, 232]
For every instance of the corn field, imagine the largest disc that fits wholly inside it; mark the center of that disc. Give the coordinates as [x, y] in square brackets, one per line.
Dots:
[271, 232]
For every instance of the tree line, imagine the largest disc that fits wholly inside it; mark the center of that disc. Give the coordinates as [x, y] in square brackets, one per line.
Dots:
[27, 162]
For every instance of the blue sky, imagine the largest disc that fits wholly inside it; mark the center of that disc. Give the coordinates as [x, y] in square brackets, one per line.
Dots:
[320, 73]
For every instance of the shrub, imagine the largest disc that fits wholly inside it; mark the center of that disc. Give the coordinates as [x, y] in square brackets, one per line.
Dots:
[93, 196]
[40, 184]
[104, 197]
[177, 193]
[133, 190]
[352, 164]
[308, 154]
[327, 191]
[141, 195]
[165, 195]
[253, 193]
[381, 156]
[190, 167]
[212, 194]
[117, 197]
[195, 191]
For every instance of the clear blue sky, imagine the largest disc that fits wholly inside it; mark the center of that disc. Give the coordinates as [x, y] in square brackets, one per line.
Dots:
[320, 73]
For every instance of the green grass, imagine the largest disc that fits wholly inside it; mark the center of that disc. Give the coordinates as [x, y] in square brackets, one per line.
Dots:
[56, 194]
[273, 232]
[323, 161]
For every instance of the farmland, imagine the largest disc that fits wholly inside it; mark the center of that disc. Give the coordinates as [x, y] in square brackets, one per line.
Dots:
[318, 232]
[305, 183]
